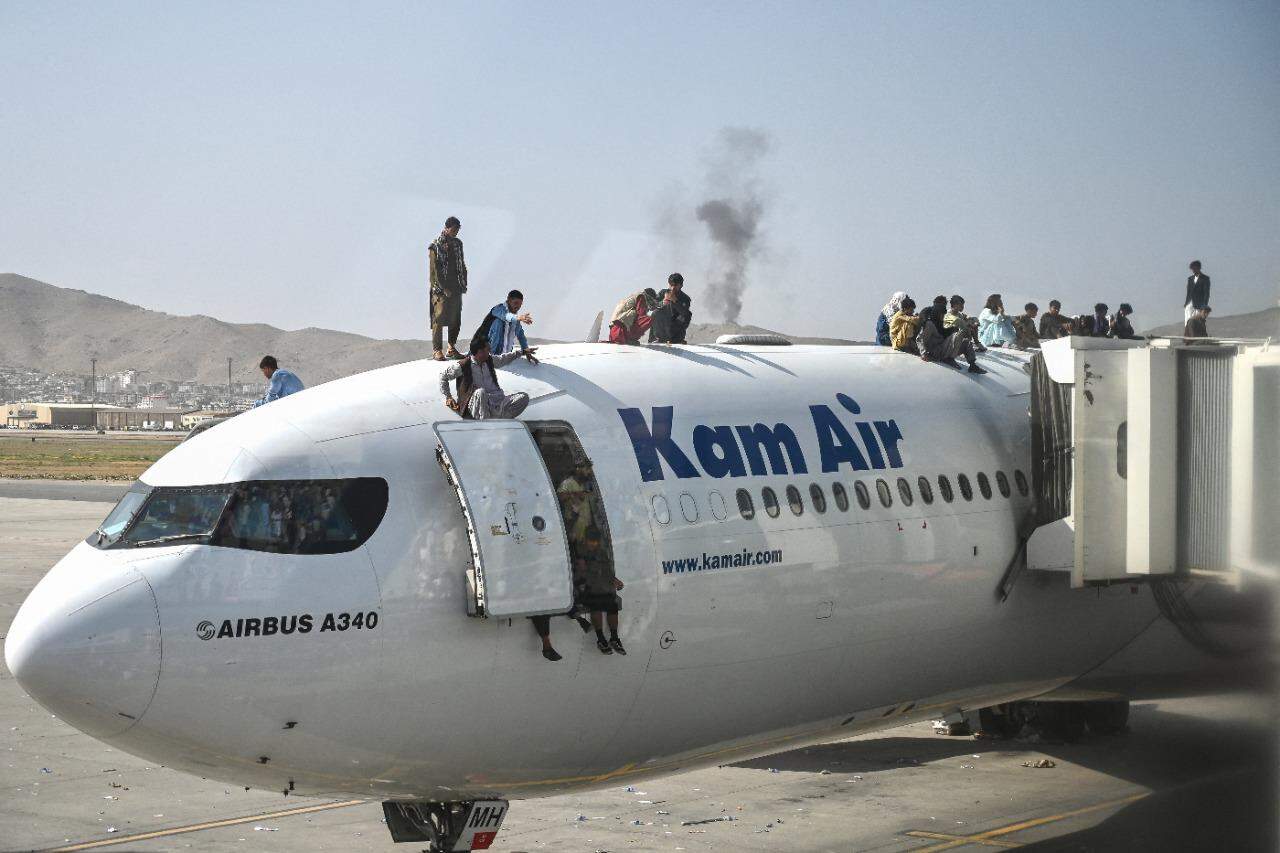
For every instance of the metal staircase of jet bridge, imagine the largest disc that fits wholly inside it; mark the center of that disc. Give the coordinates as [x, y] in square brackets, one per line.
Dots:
[1155, 459]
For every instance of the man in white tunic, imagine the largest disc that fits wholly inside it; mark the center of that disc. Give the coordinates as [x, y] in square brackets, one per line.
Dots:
[480, 397]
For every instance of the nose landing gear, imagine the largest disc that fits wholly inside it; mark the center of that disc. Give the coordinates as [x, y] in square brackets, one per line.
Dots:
[446, 827]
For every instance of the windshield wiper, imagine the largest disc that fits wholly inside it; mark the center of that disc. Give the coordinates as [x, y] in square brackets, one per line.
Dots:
[174, 538]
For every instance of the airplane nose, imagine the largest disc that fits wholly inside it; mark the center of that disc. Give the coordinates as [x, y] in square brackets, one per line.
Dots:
[88, 648]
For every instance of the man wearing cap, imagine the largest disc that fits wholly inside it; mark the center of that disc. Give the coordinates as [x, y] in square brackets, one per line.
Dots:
[633, 316]
[671, 320]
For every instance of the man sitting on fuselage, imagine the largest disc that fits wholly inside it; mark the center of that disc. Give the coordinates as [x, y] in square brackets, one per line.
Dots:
[480, 397]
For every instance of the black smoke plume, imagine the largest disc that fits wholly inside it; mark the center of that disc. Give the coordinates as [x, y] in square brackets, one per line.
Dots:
[732, 215]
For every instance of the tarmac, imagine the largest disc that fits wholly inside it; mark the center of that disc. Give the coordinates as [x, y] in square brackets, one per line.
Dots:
[1190, 774]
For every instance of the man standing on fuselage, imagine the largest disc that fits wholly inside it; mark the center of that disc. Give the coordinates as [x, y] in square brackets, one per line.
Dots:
[1197, 292]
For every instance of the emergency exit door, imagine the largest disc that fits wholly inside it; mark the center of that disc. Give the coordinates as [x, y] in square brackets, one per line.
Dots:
[520, 557]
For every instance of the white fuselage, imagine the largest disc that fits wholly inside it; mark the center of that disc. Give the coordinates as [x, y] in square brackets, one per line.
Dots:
[833, 622]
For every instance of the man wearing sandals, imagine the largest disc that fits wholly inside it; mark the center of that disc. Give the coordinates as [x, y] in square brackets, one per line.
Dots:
[448, 283]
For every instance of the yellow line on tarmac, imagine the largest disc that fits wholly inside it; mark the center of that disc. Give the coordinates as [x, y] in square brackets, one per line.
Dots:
[985, 837]
[942, 836]
[196, 827]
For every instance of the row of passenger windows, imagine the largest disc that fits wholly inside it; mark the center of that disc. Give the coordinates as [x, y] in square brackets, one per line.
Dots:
[840, 495]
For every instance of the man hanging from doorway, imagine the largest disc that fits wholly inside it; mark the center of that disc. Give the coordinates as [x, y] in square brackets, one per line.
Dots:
[595, 583]
[480, 397]
[448, 283]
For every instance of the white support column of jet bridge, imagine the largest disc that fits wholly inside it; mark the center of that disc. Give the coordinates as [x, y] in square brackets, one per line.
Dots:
[1174, 450]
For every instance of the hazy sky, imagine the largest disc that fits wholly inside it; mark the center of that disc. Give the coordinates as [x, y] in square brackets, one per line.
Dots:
[288, 163]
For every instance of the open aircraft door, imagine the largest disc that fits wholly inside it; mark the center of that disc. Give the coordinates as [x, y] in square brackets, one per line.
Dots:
[520, 556]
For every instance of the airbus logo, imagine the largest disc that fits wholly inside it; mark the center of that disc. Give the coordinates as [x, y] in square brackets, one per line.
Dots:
[740, 450]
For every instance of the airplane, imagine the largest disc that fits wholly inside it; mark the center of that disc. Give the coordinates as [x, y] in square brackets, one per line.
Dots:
[327, 595]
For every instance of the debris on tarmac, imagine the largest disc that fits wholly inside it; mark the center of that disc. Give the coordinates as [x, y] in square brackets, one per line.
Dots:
[721, 819]
[1044, 762]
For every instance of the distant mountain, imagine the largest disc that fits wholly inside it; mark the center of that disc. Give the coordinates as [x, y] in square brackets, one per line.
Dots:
[56, 329]
[50, 329]
[1259, 324]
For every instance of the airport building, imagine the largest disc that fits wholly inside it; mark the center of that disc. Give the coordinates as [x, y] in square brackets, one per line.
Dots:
[115, 418]
[52, 415]
[193, 419]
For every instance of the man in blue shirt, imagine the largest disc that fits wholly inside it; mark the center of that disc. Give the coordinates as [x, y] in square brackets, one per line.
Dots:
[282, 383]
[505, 334]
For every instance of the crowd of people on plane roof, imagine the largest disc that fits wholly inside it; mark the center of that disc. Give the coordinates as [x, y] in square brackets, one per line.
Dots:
[943, 331]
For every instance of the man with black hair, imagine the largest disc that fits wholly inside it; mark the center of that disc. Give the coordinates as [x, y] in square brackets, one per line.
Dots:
[1024, 328]
[1197, 292]
[503, 325]
[938, 342]
[1054, 324]
[480, 397]
[1100, 325]
[671, 320]
[281, 382]
[1121, 327]
[448, 283]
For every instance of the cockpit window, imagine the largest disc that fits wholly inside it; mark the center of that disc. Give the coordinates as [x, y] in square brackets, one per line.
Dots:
[279, 516]
[174, 516]
[108, 533]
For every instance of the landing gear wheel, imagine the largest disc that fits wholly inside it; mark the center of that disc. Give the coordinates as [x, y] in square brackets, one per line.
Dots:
[1107, 718]
[999, 721]
[1060, 721]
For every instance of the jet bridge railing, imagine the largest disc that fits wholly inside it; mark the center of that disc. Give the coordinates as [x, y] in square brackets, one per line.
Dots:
[1155, 458]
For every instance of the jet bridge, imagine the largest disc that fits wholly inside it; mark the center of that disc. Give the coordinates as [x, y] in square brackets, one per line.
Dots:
[1155, 458]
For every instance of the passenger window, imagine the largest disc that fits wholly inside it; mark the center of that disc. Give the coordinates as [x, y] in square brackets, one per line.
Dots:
[1002, 483]
[716, 501]
[1021, 480]
[944, 488]
[688, 507]
[841, 495]
[966, 490]
[882, 489]
[746, 506]
[864, 497]
[661, 510]
[794, 501]
[904, 491]
[984, 485]
[817, 498]
[926, 489]
[770, 499]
